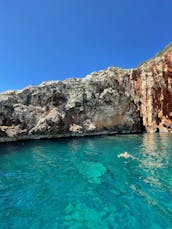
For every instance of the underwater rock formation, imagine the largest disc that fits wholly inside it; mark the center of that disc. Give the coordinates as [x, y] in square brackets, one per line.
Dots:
[105, 102]
[92, 171]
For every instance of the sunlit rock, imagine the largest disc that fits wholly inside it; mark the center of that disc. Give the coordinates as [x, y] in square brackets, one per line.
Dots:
[110, 101]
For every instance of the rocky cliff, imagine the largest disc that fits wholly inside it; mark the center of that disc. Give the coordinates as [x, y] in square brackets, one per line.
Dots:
[109, 101]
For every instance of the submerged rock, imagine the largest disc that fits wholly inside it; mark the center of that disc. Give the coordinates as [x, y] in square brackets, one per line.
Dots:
[81, 216]
[92, 171]
[105, 102]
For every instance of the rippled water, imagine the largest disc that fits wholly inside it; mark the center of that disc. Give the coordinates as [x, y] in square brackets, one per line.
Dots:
[81, 183]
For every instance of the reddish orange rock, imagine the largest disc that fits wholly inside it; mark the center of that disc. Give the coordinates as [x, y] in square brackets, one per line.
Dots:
[156, 92]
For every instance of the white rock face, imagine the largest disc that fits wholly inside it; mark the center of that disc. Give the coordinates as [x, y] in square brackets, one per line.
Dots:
[100, 103]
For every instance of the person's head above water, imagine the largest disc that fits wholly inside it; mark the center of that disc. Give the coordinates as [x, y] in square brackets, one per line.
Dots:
[125, 155]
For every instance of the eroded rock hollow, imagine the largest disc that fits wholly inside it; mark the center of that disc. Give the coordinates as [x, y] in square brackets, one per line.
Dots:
[105, 102]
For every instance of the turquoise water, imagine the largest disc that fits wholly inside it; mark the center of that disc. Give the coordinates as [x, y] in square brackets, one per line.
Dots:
[81, 183]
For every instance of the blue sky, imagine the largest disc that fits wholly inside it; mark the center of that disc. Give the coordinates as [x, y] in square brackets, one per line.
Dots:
[56, 39]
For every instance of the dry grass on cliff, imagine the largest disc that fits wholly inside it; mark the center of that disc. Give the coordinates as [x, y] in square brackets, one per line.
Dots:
[159, 54]
[164, 50]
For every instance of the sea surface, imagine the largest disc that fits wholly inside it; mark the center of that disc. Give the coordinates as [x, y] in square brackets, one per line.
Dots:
[81, 183]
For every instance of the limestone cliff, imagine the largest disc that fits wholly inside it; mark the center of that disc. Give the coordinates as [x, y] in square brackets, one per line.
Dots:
[109, 101]
[155, 77]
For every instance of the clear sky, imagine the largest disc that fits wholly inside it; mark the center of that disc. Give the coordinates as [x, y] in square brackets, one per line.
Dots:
[56, 39]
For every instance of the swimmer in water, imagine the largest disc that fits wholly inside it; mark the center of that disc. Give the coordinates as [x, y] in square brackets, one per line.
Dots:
[125, 155]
